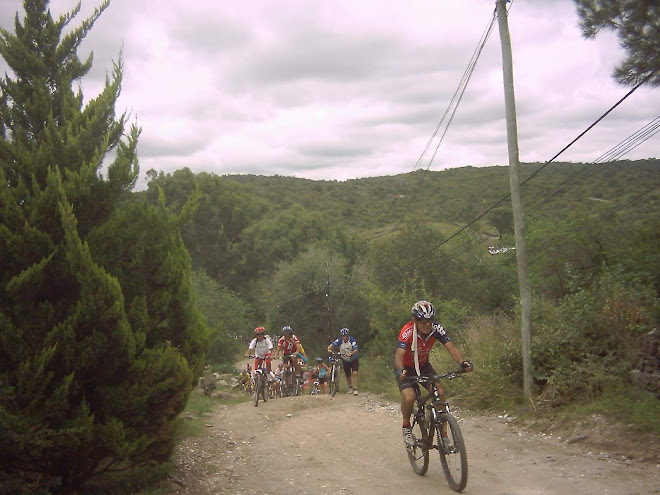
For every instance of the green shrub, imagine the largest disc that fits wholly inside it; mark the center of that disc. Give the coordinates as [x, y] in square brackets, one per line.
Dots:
[590, 340]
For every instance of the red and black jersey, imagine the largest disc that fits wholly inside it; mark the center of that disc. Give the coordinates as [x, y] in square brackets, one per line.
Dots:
[424, 343]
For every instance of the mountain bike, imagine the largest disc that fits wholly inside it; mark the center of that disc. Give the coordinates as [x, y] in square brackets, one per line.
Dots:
[248, 385]
[280, 387]
[297, 385]
[432, 419]
[289, 379]
[335, 372]
[273, 387]
[315, 385]
[260, 383]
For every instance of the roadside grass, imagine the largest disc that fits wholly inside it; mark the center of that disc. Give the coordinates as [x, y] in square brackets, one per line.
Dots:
[376, 376]
[633, 408]
[190, 422]
[495, 386]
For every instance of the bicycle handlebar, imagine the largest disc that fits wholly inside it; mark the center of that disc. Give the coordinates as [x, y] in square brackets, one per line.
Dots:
[450, 375]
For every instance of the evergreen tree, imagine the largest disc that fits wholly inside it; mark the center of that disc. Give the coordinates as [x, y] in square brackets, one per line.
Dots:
[99, 336]
[637, 24]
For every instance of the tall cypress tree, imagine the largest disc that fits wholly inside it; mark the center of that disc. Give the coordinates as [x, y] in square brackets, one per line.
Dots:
[99, 337]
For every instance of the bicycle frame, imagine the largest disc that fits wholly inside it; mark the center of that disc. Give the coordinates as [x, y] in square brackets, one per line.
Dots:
[261, 383]
[289, 376]
[432, 398]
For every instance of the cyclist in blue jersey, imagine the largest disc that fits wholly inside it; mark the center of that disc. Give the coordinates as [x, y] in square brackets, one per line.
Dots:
[348, 349]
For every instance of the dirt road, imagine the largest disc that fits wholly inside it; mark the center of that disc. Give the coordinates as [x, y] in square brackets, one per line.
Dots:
[352, 445]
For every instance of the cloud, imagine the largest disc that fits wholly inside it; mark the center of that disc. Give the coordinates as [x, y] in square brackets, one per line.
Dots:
[344, 89]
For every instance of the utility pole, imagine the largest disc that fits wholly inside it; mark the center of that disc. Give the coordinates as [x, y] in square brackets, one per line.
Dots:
[518, 219]
[327, 303]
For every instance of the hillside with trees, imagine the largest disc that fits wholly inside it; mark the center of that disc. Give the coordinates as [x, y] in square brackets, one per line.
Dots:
[287, 242]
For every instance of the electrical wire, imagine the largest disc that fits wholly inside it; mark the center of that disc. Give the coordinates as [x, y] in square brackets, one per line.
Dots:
[601, 163]
[454, 102]
[528, 179]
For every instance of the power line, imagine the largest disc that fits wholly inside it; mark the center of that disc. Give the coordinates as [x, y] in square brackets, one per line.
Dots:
[621, 149]
[472, 222]
[588, 128]
[466, 78]
[454, 102]
[458, 94]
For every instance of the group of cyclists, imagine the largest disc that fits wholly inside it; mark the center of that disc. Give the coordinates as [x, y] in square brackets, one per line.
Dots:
[411, 357]
[293, 354]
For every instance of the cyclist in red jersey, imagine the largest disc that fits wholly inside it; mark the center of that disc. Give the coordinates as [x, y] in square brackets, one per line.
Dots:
[411, 358]
[289, 345]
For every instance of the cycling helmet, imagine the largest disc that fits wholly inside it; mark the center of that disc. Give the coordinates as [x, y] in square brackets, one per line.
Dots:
[260, 330]
[286, 329]
[423, 310]
[345, 331]
[319, 360]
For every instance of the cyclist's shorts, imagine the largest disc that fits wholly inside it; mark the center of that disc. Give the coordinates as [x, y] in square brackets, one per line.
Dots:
[258, 360]
[425, 370]
[351, 367]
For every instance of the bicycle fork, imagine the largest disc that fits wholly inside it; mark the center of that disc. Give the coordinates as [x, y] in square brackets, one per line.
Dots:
[435, 422]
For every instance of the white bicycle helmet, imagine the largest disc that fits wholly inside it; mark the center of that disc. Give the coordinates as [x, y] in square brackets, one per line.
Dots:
[423, 310]
[345, 331]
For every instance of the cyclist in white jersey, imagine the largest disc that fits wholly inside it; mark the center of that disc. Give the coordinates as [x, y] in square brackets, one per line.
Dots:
[261, 347]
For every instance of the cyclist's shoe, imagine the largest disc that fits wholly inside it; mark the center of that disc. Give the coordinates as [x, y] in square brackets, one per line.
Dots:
[355, 392]
[447, 445]
[408, 438]
[350, 390]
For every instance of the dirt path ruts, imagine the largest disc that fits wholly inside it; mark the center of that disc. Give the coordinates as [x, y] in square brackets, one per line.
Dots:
[352, 445]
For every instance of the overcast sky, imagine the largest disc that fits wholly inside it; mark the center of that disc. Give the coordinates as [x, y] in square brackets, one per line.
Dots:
[352, 88]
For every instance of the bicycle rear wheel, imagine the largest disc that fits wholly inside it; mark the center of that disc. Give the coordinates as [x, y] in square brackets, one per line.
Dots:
[418, 454]
[454, 462]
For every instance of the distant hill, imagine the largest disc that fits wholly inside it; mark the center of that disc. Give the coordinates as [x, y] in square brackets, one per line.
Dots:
[458, 195]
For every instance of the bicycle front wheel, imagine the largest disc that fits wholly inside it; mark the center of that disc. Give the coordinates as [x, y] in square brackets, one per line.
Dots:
[334, 381]
[454, 459]
[286, 385]
[257, 392]
[418, 454]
